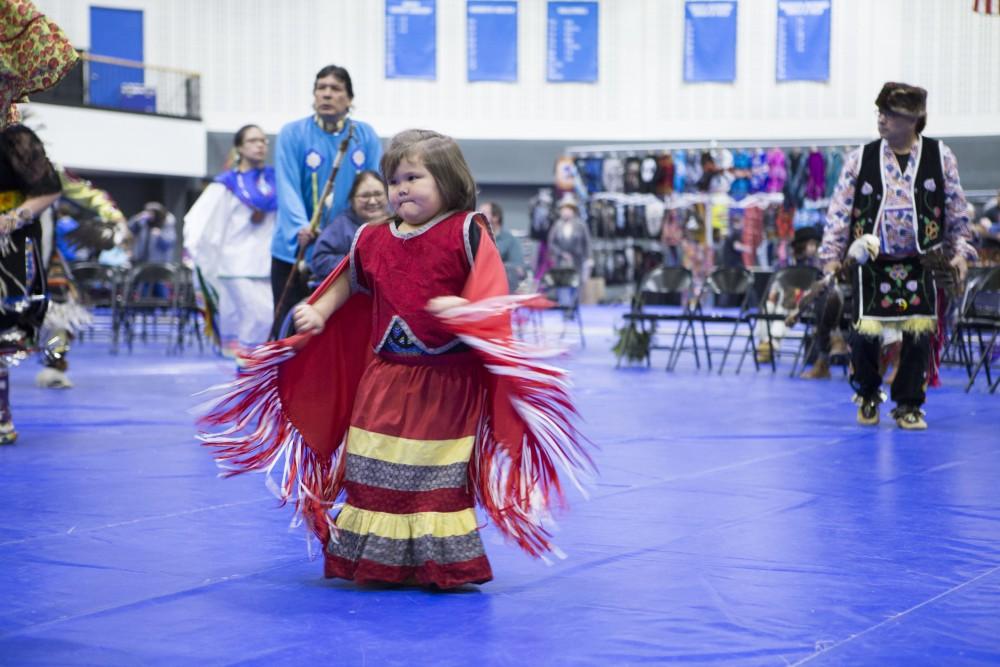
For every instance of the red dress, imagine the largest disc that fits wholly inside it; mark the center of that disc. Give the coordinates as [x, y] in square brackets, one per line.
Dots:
[408, 418]
[409, 507]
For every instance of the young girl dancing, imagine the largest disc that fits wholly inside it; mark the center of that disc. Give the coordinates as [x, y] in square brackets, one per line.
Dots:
[406, 395]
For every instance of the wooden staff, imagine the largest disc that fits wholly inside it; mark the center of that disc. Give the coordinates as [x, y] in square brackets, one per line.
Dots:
[313, 226]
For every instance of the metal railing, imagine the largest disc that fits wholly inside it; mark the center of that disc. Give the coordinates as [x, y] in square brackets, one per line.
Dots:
[115, 83]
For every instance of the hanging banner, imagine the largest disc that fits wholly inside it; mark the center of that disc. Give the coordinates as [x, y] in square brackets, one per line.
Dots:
[492, 40]
[710, 41]
[571, 53]
[803, 52]
[410, 39]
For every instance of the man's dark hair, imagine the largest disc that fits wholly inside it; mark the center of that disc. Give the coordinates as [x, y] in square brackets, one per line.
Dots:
[340, 73]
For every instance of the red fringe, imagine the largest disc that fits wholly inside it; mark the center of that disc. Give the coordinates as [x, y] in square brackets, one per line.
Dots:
[260, 438]
[528, 433]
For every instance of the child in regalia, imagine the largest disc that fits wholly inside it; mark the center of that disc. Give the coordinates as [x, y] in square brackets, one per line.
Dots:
[405, 396]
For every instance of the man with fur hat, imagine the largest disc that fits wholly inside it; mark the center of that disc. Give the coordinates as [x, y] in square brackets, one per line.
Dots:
[904, 189]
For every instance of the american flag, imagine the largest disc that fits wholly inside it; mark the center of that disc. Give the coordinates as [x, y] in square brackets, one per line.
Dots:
[986, 6]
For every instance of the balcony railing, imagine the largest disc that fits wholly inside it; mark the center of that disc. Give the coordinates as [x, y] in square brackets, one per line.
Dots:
[104, 82]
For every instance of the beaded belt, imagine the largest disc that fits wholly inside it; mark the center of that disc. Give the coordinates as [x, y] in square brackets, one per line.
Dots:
[10, 199]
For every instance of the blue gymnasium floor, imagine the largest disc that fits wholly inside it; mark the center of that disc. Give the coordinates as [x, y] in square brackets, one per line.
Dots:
[737, 521]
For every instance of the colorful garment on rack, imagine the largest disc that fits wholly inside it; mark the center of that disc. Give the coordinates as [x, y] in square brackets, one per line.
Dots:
[665, 175]
[742, 169]
[834, 165]
[777, 170]
[816, 185]
[753, 234]
[758, 171]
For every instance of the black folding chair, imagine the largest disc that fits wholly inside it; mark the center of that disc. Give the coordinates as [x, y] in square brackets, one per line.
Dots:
[190, 317]
[151, 293]
[980, 316]
[662, 288]
[784, 285]
[562, 287]
[727, 286]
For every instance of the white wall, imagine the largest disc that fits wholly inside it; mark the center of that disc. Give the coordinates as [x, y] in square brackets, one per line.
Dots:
[120, 142]
[258, 58]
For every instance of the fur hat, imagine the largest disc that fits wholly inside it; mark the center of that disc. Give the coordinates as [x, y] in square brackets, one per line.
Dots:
[903, 98]
[568, 200]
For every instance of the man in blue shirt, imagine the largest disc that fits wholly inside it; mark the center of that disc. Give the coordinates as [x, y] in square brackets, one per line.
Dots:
[305, 155]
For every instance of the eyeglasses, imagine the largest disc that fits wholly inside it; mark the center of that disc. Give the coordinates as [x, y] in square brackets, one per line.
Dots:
[370, 195]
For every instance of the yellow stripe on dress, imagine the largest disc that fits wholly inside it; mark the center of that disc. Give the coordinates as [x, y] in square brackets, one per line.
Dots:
[407, 451]
[407, 526]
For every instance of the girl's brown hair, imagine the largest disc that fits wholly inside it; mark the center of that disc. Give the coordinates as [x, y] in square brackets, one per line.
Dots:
[443, 159]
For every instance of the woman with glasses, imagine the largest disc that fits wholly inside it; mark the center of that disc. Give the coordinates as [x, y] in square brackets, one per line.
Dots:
[367, 203]
[228, 235]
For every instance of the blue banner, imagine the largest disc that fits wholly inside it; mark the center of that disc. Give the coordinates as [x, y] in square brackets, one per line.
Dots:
[571, 53]
[492, 40]
[410, 39]
[803, 40]
[710, 41]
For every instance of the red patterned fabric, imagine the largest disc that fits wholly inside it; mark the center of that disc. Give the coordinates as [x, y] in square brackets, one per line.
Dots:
[753, 234]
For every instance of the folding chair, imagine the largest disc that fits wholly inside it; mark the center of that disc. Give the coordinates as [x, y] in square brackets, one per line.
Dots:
[664, 286]
[980, 316]
[151, 291]
[190, 317]
[727, 285]
[562, 287]
[100, 292]
[784, 286]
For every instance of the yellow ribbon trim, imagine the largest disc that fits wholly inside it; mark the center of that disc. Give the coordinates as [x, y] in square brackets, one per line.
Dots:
[408, 451]
[407, 526]
[913, 325]
[10, 199]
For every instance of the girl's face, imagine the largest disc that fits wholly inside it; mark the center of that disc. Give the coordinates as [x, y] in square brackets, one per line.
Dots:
[369, 200]
[413, 193]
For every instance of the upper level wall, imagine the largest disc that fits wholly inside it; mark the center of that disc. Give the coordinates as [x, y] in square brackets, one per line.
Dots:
[258, 58]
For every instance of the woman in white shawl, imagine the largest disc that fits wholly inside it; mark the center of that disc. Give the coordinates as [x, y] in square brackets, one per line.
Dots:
[228, 235]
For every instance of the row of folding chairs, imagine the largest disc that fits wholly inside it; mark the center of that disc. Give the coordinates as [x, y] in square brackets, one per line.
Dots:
[147, 302]
[667, 299]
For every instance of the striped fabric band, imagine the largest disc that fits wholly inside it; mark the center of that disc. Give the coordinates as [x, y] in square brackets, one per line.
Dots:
[407, 451]
[403, 526]
[412, 552]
